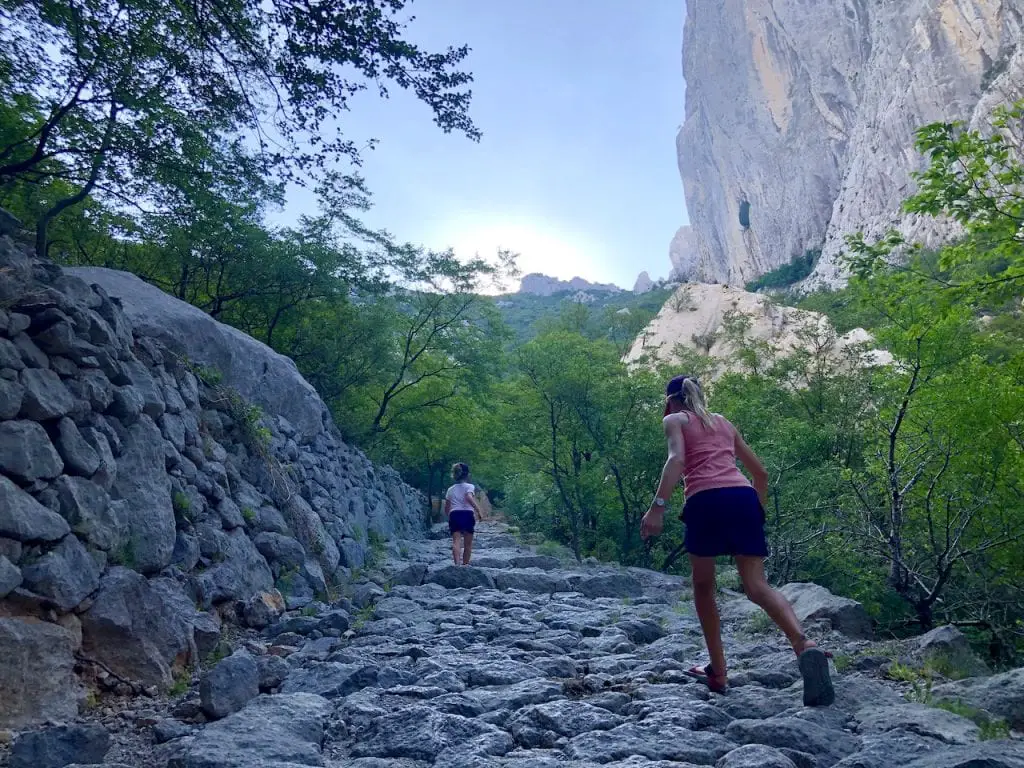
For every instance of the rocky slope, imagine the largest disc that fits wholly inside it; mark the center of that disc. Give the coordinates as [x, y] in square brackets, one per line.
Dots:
[158, 471]
[800, 119]
[713, 319]
[523, 661]
[542, 285]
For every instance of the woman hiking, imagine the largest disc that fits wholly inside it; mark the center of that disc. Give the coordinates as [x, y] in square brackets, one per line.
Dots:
[724, 515]
[462, 510]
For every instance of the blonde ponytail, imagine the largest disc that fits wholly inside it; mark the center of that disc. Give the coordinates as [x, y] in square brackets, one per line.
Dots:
[693, 400]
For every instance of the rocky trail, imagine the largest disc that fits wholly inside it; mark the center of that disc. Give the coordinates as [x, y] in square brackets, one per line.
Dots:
[522, 661]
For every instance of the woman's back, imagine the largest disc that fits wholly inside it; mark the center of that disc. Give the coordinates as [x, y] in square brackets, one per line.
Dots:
[709, 455]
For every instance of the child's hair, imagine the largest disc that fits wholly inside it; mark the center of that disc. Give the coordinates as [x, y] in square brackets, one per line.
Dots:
[686, 390]
[460, 472]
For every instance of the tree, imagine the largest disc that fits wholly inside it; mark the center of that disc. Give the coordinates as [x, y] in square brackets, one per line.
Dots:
[124, 98]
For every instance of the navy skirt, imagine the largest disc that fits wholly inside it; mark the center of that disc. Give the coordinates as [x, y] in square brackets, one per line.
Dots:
[725, 521]
[461, 521]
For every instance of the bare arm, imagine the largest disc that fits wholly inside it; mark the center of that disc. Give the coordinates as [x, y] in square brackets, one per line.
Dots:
[447, 507]
[754, 466]
[653, 520]
[471, 498]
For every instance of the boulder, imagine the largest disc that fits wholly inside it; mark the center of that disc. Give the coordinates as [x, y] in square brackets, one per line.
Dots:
[755, 756]
[917, 718]
[461, 577]
[272, 672]
[79, 457]
[37, 673]
[240, 573]
[284, 730]
[11, 393]
[1000, 695]
[143, 483]
[411, 576]
[828, 745]
[229, 686]
[263, 609]
[135, 630]
[45, 397]
[260, 375]
[89, 511]
[67, 574]
[610, 585]
[60, 745]
[991, 754]
[26, 452]
[22, 518]
[10, 576]
[815, 603]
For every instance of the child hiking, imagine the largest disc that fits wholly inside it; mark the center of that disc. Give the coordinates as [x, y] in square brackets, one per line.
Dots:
[462, 510]
[724, 515]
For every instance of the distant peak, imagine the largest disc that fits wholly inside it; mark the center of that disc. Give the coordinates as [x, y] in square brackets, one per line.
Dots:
[543, 285]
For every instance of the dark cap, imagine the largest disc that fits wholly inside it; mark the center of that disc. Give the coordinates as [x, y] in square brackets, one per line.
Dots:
[675, 386]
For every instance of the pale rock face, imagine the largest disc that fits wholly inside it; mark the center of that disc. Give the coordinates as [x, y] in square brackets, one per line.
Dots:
[684, 254]
[542, 285]
[643, 283]
[800, 118]
[698, 317]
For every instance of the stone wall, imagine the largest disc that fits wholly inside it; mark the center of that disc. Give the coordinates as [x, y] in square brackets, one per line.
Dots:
[157, 471]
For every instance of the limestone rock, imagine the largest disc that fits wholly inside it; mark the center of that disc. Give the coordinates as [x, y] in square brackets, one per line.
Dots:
[143, 483]
[684, 256]
[812, 602]
[800, 120]
[10, 576]
[281, 730]
[79, 457]
[67, 574]
[59, 746]
[229, 686]
[643, 284]
[261, 375]
[22, 518]
[135, 630]
[45, 397]
[37, 679]
[27, 453]
[1001, 695]
[89, 511]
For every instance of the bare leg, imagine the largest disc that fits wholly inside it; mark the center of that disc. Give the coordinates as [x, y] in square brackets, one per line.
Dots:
[758, 590]
[456, 546]
[707, 610]
[467, 550]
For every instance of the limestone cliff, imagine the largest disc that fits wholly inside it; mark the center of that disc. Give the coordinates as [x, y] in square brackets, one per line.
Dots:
[800, 117]
[717, 320]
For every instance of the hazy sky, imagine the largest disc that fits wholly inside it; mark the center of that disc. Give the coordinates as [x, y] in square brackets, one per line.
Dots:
[579, 102]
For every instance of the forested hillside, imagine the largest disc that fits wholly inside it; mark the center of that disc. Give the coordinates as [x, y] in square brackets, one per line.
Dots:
[155, 152]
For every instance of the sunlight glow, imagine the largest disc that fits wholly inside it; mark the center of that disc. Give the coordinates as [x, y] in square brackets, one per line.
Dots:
[541, 248]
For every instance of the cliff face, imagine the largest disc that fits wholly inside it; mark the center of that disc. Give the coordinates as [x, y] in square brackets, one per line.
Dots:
[800, 117]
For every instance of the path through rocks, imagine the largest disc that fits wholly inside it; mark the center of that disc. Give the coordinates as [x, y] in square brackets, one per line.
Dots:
[519, 661]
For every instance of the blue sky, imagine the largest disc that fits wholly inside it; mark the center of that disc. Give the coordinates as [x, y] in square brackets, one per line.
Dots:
[579, 102]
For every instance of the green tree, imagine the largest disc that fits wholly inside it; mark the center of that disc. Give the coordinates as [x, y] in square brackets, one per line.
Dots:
[122, 99]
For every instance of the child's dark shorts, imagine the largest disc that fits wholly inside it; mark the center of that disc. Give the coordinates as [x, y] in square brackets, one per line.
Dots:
[725, 521]
[461, 521]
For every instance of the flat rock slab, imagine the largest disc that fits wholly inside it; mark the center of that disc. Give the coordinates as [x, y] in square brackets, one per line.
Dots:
[271, 732]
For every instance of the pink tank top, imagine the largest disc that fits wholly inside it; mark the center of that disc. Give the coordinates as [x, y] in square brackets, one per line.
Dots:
[709, 456]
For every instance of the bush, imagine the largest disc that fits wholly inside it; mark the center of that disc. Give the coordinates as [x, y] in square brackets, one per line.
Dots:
[796, 270]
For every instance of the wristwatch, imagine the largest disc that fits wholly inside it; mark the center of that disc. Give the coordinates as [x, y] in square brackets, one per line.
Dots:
[659, 502]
